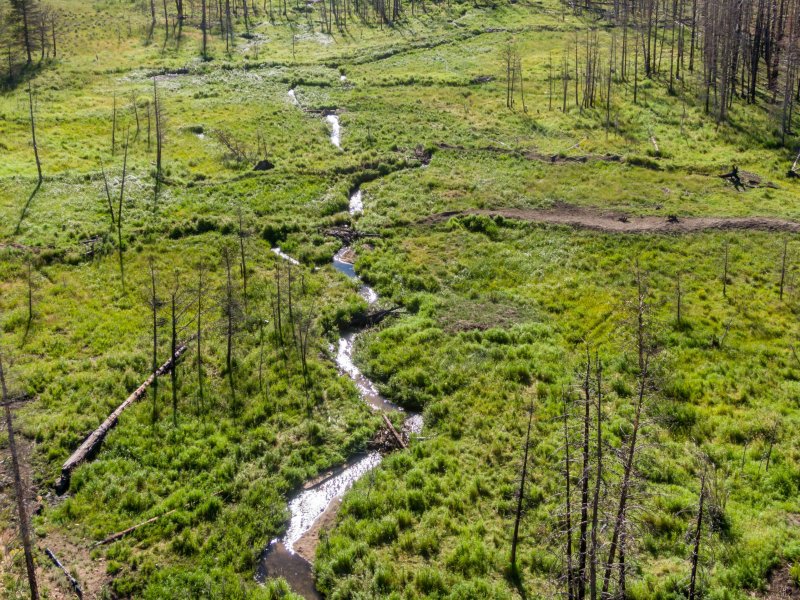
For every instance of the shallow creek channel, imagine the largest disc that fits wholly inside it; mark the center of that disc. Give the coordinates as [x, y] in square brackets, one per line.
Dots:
[316, 506]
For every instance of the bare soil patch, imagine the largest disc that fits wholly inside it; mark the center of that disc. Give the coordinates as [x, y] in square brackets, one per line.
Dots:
[91, 574]
[781, 586]
[619, 222]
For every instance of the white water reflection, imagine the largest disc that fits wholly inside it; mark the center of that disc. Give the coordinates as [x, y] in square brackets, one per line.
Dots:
[357, 203]
[333, 121]
[277, 250]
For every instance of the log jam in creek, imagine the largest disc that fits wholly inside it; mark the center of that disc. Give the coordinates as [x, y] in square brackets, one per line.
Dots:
[316, 506]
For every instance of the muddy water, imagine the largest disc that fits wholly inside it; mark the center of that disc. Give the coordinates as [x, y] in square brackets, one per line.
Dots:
[316, 506]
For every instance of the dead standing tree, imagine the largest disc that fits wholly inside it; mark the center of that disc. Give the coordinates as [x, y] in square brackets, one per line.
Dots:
[645, 351]
[243, 260]
[697, 536]
[33, 135]
[154, 303]
[568, 501]
[198, 334]
[231, 313]
[159, 118]
[521, 492]
[119, 215]
[22, 513]
[178, 308]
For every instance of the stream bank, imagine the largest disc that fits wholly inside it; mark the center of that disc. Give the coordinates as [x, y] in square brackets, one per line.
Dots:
[314, 509]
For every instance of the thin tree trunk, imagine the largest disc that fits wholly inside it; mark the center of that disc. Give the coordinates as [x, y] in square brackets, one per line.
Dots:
[22, 513]
[783, 266]
[570, 586]
[583, 540]
[598, 480]
[200, 399]
[521, 494]
[154, 308]
[697, 533]
[33, 133]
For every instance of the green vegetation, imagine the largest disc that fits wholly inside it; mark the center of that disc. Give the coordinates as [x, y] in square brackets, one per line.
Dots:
[498, 311]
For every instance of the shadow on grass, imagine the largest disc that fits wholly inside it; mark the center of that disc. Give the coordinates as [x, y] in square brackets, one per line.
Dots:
[25, 208]
[515, 578]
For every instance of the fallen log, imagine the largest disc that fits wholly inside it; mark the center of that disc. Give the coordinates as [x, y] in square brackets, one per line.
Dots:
[396, 435]
[93, 441]
[115, 536]
[72, 581]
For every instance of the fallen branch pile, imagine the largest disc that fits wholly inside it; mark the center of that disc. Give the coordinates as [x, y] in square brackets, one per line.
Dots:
[371, 319]
[347, 235]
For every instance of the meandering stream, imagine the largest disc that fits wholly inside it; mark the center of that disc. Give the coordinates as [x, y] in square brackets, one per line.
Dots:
[289, 557]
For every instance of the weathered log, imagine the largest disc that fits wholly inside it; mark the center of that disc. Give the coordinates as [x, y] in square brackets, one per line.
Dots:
[115, 536]
[72, 581]
[93, 441]
[396, 435]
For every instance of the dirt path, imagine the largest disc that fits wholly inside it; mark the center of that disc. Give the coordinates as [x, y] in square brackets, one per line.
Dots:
[618, 222]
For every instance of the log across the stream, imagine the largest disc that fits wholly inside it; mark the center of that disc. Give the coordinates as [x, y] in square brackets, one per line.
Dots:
[92, 443]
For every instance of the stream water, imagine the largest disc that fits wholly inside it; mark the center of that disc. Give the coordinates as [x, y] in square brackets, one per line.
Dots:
[319, 501]
[333, 121]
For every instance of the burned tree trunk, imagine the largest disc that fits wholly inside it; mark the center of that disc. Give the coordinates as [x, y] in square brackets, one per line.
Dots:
[697, 533]
[584, 525]
[521, 493]
[22, 513]
[33, 133]
[598, 480]
[568, 499]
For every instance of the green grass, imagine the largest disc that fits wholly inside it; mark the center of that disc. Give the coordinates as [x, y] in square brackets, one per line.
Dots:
[497, 311]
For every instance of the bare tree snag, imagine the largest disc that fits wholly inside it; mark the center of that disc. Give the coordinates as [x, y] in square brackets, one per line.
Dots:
[200, 290]
[33, 133]
[243, 262]
[521, 492]
[725, 273]
[108, 195]
[644, 364]
[22, 513]
[697, 533]
[155, 303]
[230, 313]
[598, 481]
[114, 126]
[584, 524]
[119, 215]
[783, 266]
[568, 504]
[92, 443]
